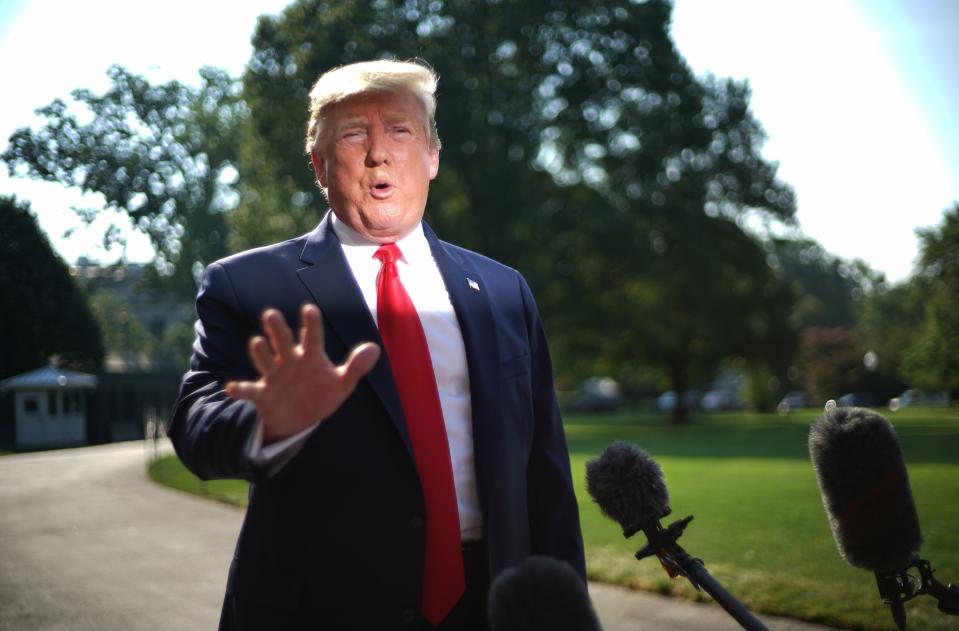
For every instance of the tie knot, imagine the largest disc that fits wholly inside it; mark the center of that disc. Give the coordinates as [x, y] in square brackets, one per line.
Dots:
[388, 253]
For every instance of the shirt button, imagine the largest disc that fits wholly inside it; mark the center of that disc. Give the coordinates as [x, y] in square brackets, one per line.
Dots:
[416, 522]
[408, 616]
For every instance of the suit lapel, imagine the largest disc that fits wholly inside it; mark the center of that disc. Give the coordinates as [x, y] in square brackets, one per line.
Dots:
[328, 278]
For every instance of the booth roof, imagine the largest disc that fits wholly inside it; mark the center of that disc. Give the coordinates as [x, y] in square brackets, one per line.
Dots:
[49, 377]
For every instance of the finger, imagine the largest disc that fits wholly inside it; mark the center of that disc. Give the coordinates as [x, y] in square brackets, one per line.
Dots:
[360, 361]
[281, 338]
[244, 390]
[311, 332]
[261, 356]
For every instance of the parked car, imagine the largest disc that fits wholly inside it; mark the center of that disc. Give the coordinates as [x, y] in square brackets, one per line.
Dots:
[857, 399]
[914, 396]
[596, 394]
[667, 400]
[722, 400]
[794, 400]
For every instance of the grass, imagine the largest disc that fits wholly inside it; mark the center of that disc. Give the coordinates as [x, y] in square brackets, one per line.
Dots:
[759, 523]
[168, 470]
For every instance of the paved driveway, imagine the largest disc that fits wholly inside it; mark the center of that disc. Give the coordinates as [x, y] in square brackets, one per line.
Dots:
[87, 542]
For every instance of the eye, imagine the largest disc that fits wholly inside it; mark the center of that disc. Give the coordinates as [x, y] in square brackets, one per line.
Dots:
[352, 136]
[401, 130]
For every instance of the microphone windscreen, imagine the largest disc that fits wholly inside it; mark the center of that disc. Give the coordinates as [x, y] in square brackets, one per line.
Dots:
[628, 486]
[541, 594]
[865, 489]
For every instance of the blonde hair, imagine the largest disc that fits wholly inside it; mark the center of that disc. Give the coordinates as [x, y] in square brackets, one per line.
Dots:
[341, 83]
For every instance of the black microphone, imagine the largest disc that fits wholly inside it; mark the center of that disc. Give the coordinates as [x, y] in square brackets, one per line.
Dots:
[865, 491]
[541, 594]
[629, 488]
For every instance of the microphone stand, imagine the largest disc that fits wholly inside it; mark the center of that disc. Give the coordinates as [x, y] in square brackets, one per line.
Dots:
[676, 561]
[896, 588]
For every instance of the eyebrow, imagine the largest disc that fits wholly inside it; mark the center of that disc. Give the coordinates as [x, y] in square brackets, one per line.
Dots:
[350, 123]
[391, 118]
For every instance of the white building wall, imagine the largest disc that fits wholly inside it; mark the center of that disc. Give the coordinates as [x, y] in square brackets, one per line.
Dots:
[50, 417]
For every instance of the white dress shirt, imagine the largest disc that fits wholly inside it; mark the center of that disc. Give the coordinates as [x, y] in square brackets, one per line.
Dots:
[422, 280]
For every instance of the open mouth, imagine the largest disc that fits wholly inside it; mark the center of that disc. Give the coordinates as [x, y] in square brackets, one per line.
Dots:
[381, 189]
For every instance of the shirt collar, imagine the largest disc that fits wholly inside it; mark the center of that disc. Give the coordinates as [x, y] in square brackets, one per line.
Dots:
[414, 246]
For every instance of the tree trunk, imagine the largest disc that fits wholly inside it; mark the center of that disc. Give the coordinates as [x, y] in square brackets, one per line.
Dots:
[680, 415]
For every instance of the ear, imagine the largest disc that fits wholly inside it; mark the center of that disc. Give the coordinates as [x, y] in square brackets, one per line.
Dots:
[434, 164]
[319, 167]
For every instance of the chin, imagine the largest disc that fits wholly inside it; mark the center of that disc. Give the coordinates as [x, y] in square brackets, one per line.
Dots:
[385, 232]
[389, 220]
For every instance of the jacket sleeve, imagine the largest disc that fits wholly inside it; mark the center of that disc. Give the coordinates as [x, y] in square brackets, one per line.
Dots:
[552, 508]
[210, 431]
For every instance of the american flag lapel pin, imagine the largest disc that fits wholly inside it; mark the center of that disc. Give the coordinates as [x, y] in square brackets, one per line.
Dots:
[472, 283]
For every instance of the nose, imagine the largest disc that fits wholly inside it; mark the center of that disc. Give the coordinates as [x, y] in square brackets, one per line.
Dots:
[377, 151]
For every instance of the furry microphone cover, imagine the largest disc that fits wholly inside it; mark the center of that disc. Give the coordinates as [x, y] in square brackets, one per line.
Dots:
[628, 486]
[865, 489]
[541, 594]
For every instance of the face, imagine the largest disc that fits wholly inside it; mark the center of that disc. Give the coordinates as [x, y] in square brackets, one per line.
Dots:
[376, 163]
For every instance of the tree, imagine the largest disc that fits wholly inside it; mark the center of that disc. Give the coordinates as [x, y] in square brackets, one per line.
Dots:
[830, 293]
[830, 362]
[932, 361]
[173, 352]
[44, 313]
[887, 321]
[578, 147]
[939, 253]
[829, 288]
[125, 338]
[163, 154]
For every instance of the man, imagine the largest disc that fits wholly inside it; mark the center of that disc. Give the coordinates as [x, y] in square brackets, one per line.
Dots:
[387, 490]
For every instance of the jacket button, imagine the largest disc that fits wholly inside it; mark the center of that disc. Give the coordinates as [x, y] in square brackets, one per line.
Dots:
[408, 616]
[416, 522]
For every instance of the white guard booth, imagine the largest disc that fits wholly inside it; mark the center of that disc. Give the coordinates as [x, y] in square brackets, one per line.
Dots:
[50, 406]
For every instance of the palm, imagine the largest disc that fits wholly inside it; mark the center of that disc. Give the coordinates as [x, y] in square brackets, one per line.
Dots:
[298, 383]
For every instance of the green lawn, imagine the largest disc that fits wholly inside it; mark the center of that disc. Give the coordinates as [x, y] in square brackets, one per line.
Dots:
[760, 526]
[170, 471]
[759, 523]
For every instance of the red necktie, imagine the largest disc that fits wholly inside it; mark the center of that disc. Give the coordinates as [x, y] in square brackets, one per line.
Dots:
[405, 343]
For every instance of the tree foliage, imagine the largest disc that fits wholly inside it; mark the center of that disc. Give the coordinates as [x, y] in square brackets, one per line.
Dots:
[830, 363]
[173, 352]
[939, 253]
[831, 293]
[578, 147]
[125, 338]
[44, 312]
[162, 154]
[887, 321]
[932, 361]
[828, 287]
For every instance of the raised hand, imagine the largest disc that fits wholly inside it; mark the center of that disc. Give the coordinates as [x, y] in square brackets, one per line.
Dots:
[298, 383]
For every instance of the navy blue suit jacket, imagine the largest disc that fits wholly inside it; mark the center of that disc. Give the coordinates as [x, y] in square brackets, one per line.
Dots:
[335, 540]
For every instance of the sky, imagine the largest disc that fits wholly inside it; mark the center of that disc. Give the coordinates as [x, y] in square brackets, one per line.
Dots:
[859, 99]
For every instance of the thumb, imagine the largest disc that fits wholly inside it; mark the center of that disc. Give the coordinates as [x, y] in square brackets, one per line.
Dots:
[360, 361]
